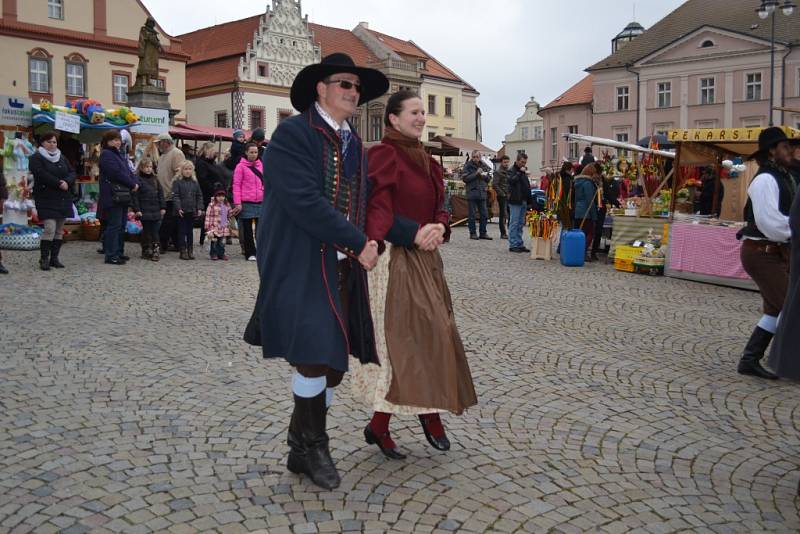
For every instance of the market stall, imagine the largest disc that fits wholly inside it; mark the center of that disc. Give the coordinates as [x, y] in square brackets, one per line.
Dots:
[711, 175]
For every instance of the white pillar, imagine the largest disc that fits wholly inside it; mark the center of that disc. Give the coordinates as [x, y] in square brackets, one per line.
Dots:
[728, 120]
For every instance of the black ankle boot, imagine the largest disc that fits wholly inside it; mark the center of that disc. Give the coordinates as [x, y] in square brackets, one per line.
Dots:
[308, 442]
[55, 248]
[45, 245]
[750, 364]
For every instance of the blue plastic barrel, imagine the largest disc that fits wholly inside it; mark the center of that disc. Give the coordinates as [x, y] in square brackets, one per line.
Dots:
[573, 247]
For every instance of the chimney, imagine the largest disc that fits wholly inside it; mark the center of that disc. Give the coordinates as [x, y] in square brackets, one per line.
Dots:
[364, 25]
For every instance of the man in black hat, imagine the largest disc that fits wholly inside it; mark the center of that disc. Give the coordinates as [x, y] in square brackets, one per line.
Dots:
[313, 307]
[765, 240]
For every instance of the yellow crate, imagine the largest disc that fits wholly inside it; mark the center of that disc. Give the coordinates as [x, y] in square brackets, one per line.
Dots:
[626, 252]
[622, 264]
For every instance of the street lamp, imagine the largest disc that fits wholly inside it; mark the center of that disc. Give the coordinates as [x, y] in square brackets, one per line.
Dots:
[766, 9]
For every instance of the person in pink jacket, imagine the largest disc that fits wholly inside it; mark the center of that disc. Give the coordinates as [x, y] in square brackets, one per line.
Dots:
[248, 192]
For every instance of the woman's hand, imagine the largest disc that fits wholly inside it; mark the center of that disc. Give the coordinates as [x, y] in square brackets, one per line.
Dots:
[63, 185]
[237, 209]
[180, 213]
[138, 214]
[430, 236]
[163, 212]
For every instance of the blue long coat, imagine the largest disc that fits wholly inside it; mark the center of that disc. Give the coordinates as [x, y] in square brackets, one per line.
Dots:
[298, 312]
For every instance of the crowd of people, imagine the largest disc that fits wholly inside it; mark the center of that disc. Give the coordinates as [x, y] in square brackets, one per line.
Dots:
[167, 192]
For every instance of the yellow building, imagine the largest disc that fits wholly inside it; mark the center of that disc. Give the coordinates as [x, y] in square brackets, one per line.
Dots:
[60, 50]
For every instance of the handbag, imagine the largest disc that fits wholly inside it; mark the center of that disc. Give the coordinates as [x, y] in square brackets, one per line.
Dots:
[120, 194]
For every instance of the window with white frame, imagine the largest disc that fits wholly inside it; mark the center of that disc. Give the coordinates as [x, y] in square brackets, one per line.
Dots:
[375, 127]
[623, 98]
[554, 143]
[662, 128]
[710, 123]
[120, 84]
[524, 133]
[537, 132]
[573, 145]
[664, 94]
[55, 9]
[708, 90]
[39, 74]
[752, 86]
[751, 122]
[76, 79]
[622, 137]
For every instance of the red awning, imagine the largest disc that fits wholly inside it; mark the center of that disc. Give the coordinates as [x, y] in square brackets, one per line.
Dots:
[192, 132]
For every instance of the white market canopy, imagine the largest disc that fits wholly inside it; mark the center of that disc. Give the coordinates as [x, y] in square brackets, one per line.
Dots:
[616, 144]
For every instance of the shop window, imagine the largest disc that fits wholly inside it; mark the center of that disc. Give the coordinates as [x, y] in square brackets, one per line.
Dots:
[623, 98]
[752, 86]
[664, 94]
[221, 119]
[431, 104]
[55, 9]
[120, 84]
[707, 90]
[448, 107]
[39, 71]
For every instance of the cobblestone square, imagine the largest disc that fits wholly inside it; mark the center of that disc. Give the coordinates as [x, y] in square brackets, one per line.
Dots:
[608, 402]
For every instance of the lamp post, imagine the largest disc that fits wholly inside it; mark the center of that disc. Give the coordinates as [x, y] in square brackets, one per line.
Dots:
[768, 9]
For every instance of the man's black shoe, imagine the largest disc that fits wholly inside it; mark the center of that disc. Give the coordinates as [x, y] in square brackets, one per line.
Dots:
[503, 236]
[486, 237]
[474, 237]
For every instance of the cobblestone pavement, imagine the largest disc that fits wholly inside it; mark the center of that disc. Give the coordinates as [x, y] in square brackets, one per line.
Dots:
[608, 402]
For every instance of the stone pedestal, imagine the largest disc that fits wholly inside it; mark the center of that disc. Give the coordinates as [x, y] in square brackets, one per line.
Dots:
[151, 97]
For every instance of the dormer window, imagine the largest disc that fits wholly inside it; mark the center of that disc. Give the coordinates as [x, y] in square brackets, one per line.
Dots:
[421, 64]
[708, 43]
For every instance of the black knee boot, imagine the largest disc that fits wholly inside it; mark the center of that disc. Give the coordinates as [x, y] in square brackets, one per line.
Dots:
[308, 442]
[750, 364]
[45, 245]
[55, 248]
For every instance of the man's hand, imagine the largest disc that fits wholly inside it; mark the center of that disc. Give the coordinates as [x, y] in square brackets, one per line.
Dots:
[369, 256]
[138, 214]
[63, 185]
[135, 188]
[430, 236]
[180, 213]
[163, 212]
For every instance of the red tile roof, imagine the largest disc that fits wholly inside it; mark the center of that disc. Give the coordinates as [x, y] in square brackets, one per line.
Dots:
[332, 40]
[213, 48]
[580, 93]
[409, 48]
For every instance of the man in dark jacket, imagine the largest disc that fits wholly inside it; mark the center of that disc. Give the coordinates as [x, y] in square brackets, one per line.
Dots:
[477, 177]
[519, 191]
[500, 185]
[588, 157]
[312, 307]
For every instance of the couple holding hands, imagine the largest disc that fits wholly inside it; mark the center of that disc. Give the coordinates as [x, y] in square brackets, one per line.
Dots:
[350, 268]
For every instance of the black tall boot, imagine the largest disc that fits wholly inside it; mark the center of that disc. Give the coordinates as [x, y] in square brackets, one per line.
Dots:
[750, 364]
[45, 245]
[308, 442]
[55, 248]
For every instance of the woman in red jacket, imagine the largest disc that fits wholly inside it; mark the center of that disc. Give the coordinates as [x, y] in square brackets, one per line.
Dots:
[423, 369]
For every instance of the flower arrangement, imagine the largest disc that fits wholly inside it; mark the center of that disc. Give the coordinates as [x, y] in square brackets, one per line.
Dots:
[541, 224]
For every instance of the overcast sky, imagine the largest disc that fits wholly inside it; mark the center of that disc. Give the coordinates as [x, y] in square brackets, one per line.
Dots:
[509, 50]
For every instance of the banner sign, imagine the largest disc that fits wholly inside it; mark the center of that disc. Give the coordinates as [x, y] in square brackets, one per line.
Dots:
[15, 111]
[151, 120]
[724, 135]
[68, 122]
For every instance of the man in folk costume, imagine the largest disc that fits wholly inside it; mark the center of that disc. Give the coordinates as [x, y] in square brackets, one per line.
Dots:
[765, 240]
[313, 306]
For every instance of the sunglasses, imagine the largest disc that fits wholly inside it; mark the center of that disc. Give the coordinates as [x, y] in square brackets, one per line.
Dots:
[346, 84]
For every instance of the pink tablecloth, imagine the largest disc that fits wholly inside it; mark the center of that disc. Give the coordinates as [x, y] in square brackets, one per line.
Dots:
[704, 249]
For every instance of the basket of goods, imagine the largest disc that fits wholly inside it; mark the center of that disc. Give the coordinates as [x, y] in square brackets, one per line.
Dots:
[652, 258]
[90, 229]
[19, 237]
[543, 227]
[72, 232]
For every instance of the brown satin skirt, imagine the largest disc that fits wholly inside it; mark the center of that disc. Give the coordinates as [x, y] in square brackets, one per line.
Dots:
[429, 366]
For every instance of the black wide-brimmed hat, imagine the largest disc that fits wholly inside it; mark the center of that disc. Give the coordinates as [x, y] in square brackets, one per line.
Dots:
[304, 87]
[768, 138]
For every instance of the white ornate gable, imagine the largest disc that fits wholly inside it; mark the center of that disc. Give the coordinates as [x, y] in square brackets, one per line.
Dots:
[282, 45]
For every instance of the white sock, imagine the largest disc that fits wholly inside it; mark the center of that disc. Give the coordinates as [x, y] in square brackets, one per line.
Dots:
[306, 387]
[768, 323]
[328, 397]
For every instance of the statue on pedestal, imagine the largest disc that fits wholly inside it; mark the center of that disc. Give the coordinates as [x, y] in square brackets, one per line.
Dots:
[149, 49]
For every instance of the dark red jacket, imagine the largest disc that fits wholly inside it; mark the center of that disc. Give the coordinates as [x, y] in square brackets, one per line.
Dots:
[400, 187]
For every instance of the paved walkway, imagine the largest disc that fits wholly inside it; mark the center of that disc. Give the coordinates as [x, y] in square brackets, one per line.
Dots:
[608, 402]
